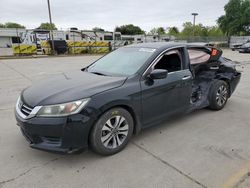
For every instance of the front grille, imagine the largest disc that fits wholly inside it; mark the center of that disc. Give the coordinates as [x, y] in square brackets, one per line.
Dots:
[26, 110]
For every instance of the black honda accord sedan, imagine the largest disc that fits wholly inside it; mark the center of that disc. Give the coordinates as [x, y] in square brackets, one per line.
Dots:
[134, 87]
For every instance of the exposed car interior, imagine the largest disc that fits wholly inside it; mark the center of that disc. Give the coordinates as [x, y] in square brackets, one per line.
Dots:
[198, 60]
[171, 61]
[198, 56]
[203, 75]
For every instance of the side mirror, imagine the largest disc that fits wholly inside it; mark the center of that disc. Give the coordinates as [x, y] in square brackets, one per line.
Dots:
[158, 74]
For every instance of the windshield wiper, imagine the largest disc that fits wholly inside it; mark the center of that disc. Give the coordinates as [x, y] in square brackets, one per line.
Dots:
[98, 73]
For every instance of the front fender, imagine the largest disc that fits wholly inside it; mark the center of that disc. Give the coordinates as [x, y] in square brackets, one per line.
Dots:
[127, 97]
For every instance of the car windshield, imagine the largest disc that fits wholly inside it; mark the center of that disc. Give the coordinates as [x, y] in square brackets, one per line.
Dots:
[246, 45]
[121, 62]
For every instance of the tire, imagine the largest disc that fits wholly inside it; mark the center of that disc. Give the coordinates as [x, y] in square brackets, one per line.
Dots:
[112, 132]
[219, 94]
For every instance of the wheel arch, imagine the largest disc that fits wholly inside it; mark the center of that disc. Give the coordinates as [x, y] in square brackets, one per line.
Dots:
[120, 104]
[137, 125]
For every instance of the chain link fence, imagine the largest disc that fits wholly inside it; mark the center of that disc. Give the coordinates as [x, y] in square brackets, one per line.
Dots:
[221, 41]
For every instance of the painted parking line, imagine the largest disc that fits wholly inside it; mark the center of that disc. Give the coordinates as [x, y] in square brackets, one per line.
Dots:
[237, 177]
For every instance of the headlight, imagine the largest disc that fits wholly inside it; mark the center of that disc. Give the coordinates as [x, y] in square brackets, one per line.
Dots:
[62, 109]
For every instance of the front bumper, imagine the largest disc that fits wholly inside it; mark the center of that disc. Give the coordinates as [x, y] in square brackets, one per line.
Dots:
[60, 134]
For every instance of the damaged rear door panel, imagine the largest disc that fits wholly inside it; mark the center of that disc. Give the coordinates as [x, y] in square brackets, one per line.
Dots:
[208, 67]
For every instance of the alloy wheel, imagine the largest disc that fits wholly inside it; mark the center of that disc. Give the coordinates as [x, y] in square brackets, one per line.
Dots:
[114, 132]
[221, 96]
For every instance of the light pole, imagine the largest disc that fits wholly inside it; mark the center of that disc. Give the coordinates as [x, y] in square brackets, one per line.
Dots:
[114, 38]
[51, 30]
[194, 14]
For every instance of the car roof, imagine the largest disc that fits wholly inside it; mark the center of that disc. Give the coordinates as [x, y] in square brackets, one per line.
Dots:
[156, 45]
[164, 45]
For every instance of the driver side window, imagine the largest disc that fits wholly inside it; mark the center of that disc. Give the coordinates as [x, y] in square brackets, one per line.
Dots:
[171, 61]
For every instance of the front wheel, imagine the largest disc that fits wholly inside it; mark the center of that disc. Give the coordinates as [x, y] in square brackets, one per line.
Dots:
[219, 95]
[112, 131]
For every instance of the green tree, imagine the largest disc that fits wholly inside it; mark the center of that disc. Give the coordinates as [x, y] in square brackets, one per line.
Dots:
[98, 29]
[158, 30]
[12, 25]
[187, 29]
[173, 31]
[129, 30]
[47, 26]
[153, 31]
[236, 20]
[190, 30]
[201, 30]
[214, 31]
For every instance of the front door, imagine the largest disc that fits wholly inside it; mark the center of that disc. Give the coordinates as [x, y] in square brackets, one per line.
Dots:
[165, 97]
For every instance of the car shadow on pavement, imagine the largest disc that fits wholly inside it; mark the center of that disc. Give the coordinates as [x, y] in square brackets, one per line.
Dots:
[171, 123]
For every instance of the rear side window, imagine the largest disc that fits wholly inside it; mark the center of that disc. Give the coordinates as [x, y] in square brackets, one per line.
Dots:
[198, 56]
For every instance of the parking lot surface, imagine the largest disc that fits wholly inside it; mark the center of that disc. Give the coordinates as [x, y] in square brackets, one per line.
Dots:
[202, 149]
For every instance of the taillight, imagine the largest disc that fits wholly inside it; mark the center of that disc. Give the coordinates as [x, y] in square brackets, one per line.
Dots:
[214, 52]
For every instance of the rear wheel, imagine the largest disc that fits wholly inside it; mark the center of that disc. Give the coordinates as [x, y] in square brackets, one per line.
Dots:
[112, 131]
[219, 94]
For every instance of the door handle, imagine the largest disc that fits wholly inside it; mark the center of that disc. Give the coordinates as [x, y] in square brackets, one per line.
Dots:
[186, 77]
[214, 68]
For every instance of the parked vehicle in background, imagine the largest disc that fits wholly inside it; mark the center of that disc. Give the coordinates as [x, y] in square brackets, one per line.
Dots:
[235, 46]
[129, 89]
[241, 47]
[245, 48]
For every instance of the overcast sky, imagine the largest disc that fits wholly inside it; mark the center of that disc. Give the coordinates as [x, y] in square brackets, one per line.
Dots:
[86, 14]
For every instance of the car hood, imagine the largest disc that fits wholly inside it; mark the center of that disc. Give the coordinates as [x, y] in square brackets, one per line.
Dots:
[68, 87]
